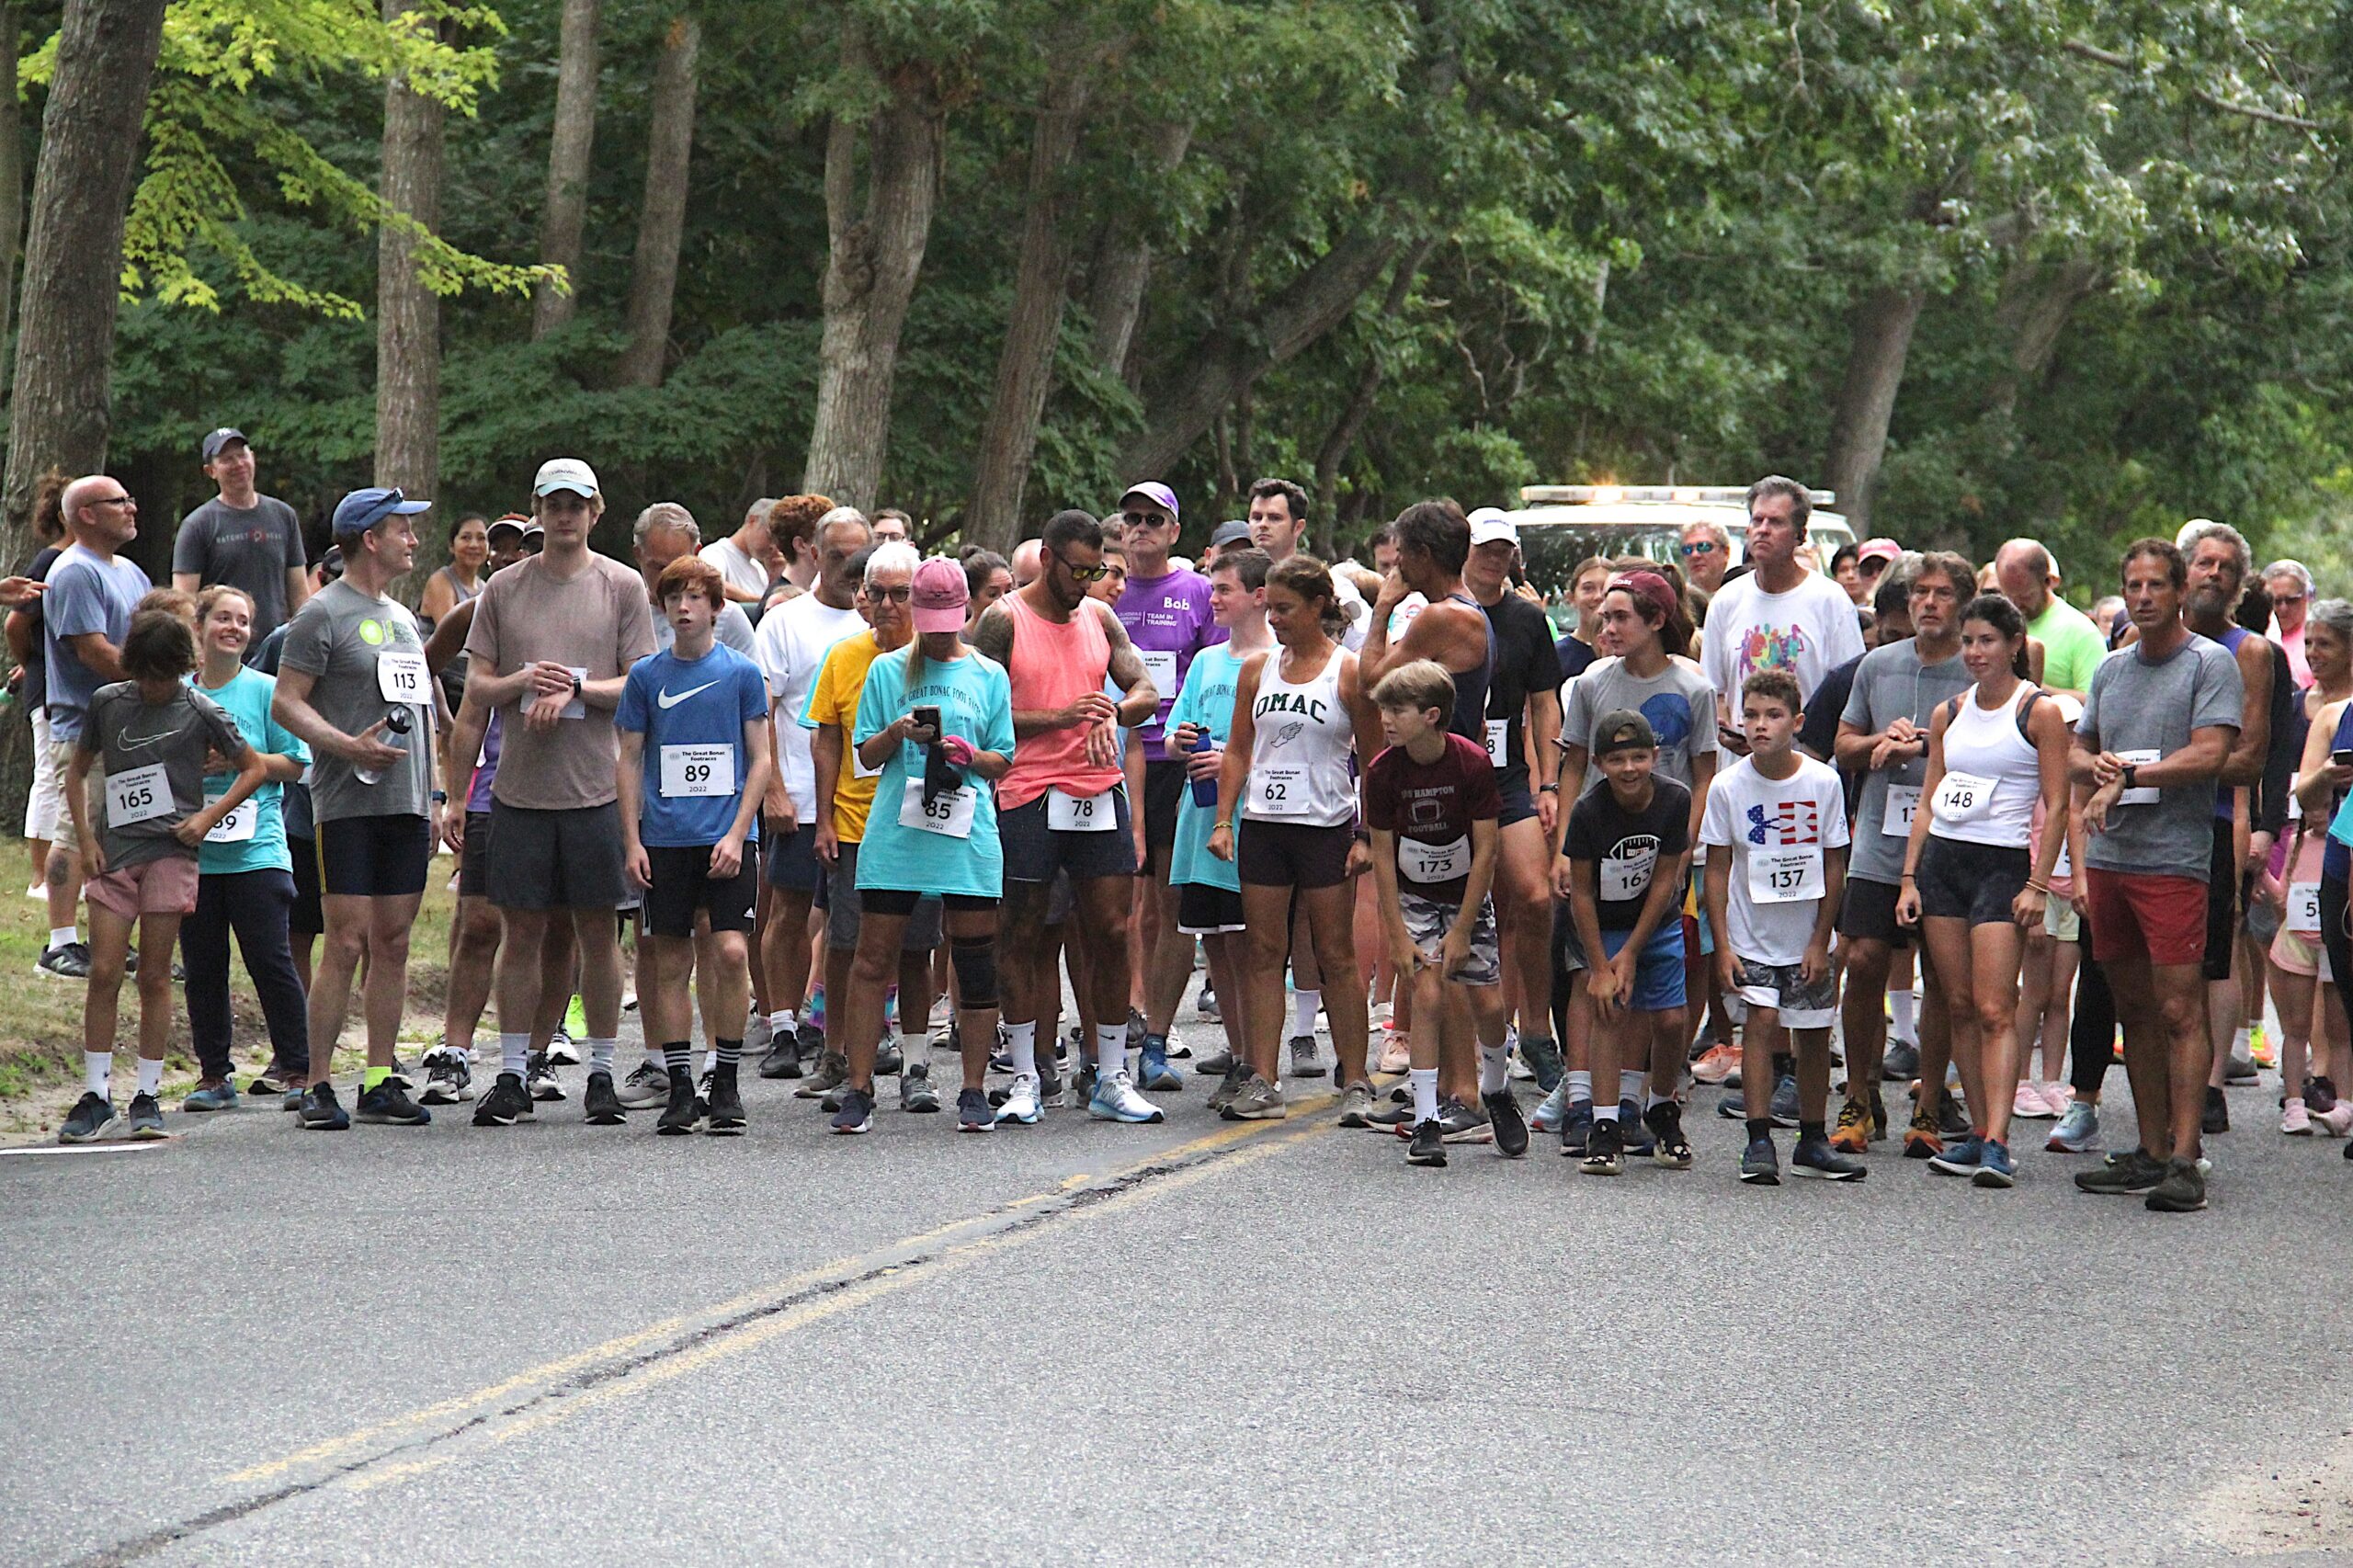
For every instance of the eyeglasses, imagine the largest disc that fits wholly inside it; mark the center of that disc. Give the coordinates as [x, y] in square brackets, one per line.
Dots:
[1083, 574]
[123, 500]
[2280, 599]
[1705, 546]
[898, 595]
[1146, 519]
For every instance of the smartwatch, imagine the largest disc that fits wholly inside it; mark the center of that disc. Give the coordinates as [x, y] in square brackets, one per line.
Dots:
[2131, 770]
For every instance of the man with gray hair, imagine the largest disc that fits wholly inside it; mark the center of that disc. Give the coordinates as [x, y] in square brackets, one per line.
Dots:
[747, 558]
[1707, 555]
[2072, 645]
[664, 531]
[2290, 584]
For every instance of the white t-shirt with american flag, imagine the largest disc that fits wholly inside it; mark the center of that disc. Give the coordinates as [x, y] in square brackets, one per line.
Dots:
[1756, 816]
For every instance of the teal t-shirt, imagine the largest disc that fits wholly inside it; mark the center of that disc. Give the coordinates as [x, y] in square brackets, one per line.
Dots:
[246, 700]
[975, 702]
[1207, 699]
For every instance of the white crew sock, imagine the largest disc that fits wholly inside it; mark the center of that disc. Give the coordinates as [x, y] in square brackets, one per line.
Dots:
[1907, 1016]
[2243, 1042]
[1581, 1088]
[1021, 1040]
[150, 1076]
[1631, 1086]
[513, 1052]
[916, 1048]
[709, 1058]
[600, 1055]
[1494, 1068]
[1424, 1094]
[1651, 1102]
[1606, 1112]
[655, 1060]
[59, 935]
[1304, 1006]
[98, 1067]
[784, 1023]
[1110, 1048]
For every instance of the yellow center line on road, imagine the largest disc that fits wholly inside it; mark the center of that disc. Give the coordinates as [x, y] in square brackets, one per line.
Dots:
[892, 1267]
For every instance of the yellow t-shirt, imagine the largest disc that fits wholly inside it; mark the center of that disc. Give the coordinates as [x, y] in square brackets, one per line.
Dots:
[834, 700]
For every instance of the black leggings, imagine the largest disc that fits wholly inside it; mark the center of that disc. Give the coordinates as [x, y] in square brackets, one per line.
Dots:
[255, 905]
[2335, 939]
[2091, 1034]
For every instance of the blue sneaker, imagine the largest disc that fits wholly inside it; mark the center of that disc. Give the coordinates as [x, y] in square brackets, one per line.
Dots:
[1153, 1071]
[1633, 1136]
[1555, 1106]
[146, 1118]
[91, 1118]
[1576, 1128]
[1961, 1159]
[1760, 1167]
[1995, 1167]
[217, 1096]
[1783, 1107]
[321, 1112]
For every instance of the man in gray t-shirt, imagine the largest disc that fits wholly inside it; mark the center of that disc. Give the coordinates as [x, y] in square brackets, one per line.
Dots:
[341, 640]
[1895, 682]
[242, 538]
[2142, 708]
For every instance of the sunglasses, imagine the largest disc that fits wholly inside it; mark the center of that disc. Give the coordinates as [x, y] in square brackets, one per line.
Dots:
[1083, 574]
[1146, 519]
[1705, 546]
[897, 596]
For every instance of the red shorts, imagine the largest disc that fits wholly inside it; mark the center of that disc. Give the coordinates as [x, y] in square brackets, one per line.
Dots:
[2134, 914]
[156, 887]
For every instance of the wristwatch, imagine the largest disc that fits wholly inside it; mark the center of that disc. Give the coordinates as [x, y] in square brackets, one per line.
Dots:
[2131, 770]
[576, 685]
[1548, 788]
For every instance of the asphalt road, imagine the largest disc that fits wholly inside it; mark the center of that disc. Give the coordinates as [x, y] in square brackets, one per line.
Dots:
[1270, 1342]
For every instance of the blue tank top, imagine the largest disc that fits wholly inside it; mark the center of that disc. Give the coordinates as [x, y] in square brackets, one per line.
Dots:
[1470, 718]
[2230, 640]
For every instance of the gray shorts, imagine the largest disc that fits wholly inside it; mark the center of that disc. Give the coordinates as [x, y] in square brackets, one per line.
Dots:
[1783, 986]
[1427, 922]
[843, 912]
[560, 859]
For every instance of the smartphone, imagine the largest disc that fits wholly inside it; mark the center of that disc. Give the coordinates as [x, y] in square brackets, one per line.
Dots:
[927, 716]
[2341, 758]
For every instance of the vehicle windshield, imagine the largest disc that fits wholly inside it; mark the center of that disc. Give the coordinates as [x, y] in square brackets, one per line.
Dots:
[1553, 551]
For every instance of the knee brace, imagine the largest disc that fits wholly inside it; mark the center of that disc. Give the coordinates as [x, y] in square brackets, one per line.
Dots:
[975, 962]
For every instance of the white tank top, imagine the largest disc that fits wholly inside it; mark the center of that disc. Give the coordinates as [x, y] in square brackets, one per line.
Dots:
[1299, 746]
[1993, 776]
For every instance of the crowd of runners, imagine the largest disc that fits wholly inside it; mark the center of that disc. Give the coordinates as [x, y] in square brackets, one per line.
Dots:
[1896, 829]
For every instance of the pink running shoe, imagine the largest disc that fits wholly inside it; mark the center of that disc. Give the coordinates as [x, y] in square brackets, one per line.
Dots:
[2336, 1120]
[2294, 1122]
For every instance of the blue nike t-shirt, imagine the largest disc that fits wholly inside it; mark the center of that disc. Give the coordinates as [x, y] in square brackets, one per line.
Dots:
[692, 715]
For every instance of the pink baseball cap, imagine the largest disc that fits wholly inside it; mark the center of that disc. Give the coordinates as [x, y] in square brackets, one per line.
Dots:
[940, 594]
[1878, 549]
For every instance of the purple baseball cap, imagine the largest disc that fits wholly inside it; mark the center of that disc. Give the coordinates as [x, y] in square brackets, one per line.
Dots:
[1154, 492]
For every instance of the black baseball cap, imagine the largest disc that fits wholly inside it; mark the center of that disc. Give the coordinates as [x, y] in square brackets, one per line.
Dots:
[1624, 730]
[1230, 533]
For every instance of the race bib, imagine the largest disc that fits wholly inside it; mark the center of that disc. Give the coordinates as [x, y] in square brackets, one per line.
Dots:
[2295, 807]
[1420, 862]
[1079, 813]
[1902, 802]
[950, 814]
[1785, 876]
[2146, 795]
[1278, 791]
[1499, 741]
[2304, 908]
[238, 826]
[1962, 796]
[1627, 877]
[400, 677]
[1160, 663]
[138, 794]
[2066, 864]
[698, 770]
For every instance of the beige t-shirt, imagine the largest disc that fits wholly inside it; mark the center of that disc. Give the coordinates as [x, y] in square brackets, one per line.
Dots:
[596, 624]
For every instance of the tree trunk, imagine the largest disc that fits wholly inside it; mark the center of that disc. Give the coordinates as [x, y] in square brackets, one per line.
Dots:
[1123, 265]
[11, 172]
[1234, 355]
[2035, 303]
[874, 256]
[661, 221]
[1326, 497]
[72, 275]
[564, 216]
[408, 313]
[1882, 339]
[1040, 288]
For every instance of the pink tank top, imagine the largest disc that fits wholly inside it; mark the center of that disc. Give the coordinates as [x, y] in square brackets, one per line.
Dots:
[1053, 666]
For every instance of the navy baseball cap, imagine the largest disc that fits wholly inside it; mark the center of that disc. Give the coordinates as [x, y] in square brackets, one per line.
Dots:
[219, 438]
[363, 509]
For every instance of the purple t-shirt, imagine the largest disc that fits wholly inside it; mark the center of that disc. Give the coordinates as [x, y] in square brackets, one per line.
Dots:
[1168, 620]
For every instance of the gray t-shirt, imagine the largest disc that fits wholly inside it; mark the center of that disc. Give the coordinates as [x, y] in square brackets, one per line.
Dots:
[2143, 711]
[248, 548]
[1891, 684]
[85, 594]
[1678, 701]
[341, 639]
[129, 734]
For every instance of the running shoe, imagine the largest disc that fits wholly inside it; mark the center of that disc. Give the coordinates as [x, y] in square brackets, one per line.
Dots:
[2183, 1190]
[1205, 1005]
[448, 1079]
[1959, 1159]
[1995, 1167]
[646, 1085]
[1815, 1157]
[1216, 1065]
[1669, 1147]
[1428, 1145]
[888, 1061]
[1397, 1117]
[782, 1059]
[1902, 1059]
[1115, 1099]
[321, 1112]
[2028, 1104]
[1081, 1085]
[541, 1077]
[1153, 1071]
[1229, 1086]
[561, 1052]
[1631, 1135]
[507, 1104]
[2261, 1048]
[2336, 1120]
[146, 1118]
[1356, 1104]
[2135, 1170]
[1543, 1059]
[211, 1097]
[1732, 1104]
[2240, 1069]
[916, 1092]
[1463, 1123]
[1554, 1105]
[684, 1109]
[1576, 1127]
[2078, 1130]
[91, 1118]
[1396, 1055]
[1921, 1141]
[1510, 1127]
[575, 1022]
[1021, 1107]
[1604, 1151]
[1853, 1133]
[856, 1113]
[1760, 1167]
[1716, 1064]
[2320, 1095]
[388, 1105]
[1783, 1107]
[1256, 1099]
[2216, 1118]
[974, 1113]
[833, 1070]
[723, 1109]
[599, 1106]
[69, 960]
[1303, 1063]
[2294, 1120]
[274, 1079]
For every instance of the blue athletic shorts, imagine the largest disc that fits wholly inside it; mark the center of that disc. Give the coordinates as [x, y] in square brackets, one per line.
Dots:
[1658, 973]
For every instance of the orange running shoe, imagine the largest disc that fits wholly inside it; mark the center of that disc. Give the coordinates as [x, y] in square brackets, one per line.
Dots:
[1853, 1133]
[1716, 1064]
[1921, 1141]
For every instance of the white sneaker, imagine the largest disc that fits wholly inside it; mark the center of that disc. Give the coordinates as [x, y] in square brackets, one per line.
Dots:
[1020, 1104]
[1555, 1106]
[1396, 1056]
[1116, 1099]
[758, 1035]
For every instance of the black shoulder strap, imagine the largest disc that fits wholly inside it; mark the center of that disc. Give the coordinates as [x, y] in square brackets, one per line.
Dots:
[1952, 707]
[2026, 712]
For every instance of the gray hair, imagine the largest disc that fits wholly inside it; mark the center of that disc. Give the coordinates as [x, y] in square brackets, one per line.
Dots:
[1724, 539]
[2334, 614]
[841, 514]
[2197, 531]
[757, 512]
[2289, 566]
[1801, 498]
[666, 517]
[891, 555]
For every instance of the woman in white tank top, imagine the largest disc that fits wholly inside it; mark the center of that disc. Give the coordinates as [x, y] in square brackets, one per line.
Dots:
[1974, 880]
[1300, 716]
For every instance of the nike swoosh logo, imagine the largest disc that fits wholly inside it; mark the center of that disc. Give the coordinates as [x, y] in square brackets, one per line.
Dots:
[671, 699]
[132, 742]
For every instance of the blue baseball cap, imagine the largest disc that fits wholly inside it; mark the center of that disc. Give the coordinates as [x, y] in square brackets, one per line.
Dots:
[363, 509]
